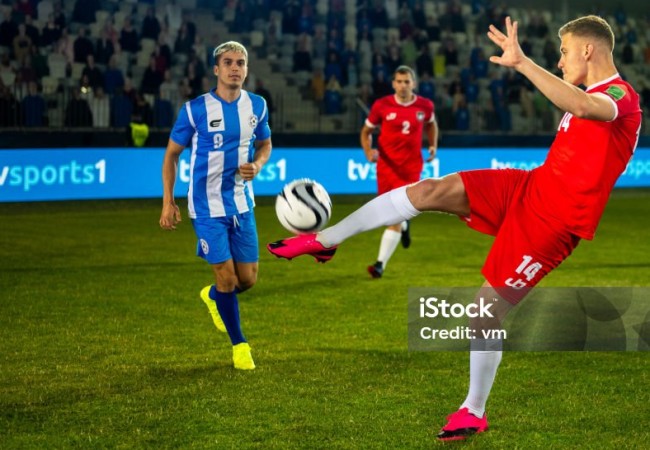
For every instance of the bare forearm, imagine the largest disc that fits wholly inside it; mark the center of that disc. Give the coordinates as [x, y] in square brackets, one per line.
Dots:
[564, 95]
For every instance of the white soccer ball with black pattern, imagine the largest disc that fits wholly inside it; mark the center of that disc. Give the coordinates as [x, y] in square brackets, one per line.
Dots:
[303, 206]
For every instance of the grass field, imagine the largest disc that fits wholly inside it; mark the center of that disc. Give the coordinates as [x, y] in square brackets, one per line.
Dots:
[104, 342]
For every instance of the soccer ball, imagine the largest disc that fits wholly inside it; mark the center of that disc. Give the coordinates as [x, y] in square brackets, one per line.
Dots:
[303, 206]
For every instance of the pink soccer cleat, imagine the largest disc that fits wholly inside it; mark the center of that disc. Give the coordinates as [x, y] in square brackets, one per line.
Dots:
[304, 244]
[461, 425]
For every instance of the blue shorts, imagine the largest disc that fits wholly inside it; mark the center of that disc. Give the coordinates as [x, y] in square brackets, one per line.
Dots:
[224, 238]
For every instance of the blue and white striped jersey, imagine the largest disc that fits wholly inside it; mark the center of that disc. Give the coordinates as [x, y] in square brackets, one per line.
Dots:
[221, 137]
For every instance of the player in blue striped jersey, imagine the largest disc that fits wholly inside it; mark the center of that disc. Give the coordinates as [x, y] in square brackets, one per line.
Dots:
[229, 138]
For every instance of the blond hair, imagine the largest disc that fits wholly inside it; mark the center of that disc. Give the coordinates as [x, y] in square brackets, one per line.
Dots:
[590, 26]
[230, 46]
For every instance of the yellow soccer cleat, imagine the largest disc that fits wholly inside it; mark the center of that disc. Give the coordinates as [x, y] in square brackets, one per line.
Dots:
[241, 357]
[212, 307]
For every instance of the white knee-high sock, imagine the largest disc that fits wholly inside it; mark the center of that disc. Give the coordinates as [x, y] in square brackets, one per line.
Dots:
[387, 209]
[482, 371]
[389, 241]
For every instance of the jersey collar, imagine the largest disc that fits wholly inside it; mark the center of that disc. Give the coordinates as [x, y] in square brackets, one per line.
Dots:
[415, 97]
[605, 81]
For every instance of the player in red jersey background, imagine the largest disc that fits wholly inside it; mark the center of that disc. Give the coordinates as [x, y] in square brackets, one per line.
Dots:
[538, 217]
[403, 117]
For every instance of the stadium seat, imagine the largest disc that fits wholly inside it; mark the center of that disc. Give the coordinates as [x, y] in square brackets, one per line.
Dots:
[50, 85]
[147, 45]
[77, 70]
[256, 39]
[101, 16]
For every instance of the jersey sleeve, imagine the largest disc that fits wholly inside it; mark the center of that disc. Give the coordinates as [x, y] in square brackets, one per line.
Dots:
[623, 99]
[183, 128]
[263, 130]
[374, 117]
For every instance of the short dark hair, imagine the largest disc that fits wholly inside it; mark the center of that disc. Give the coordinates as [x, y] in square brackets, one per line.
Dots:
[403, 70]
[589, 26]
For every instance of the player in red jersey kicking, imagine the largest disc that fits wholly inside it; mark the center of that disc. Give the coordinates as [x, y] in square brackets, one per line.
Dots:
[403, 117]
[537, 217]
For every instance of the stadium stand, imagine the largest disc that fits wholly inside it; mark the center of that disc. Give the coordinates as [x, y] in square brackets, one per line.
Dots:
[295, 47]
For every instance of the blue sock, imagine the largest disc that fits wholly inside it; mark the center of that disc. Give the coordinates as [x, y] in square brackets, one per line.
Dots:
[228, 308]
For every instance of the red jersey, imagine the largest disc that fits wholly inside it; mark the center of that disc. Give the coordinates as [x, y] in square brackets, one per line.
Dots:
[585, 160]
[400, 138]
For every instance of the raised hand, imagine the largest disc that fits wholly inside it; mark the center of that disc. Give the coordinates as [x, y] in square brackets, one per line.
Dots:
[512, 53]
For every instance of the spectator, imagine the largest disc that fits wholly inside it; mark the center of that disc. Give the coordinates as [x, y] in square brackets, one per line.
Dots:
[266, 95]
[378, 16]
[21, 43]
[332, 101]
[165, 48]
[100, 108]
[627, 56]
[104, 48]
[84, 11]
[150, 25]
[173, 16]
[433, 29]
[302, 57]
[151, 79]
[317, 85]
[333, 67]
[77, 112]
[419, 17]
[121, 108]
[169, 89]
[394, 58]
[451, 52]
[129, 37]
[82, 46]
[65, 46]
[24, 8]
[461, 114]
[39, 62]
[10, 110]
[381, 87]
[409, 51]
[114, 77]
[183, 43]
[190, 25]
[33, 107]
[32, 31]
[8, 30]
[537, 27]
[7, 71]
[59, 16]
[426, 87]
[424, 61]
[50, 33]
[94, 74]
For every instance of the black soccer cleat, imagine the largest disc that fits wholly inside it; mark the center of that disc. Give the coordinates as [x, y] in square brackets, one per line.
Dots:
[376, 270]
[406, 235]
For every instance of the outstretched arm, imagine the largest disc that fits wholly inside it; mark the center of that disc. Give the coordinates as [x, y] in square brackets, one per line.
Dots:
[564, 95]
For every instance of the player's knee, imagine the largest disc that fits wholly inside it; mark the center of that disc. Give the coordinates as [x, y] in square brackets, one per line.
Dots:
[424, 195]
[226, 281]
[248, 282]
[247, 278]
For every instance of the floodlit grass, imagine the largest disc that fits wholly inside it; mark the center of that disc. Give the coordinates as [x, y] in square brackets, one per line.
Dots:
[104, 342]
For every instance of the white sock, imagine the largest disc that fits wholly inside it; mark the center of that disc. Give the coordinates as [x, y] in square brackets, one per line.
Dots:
[482, 371]
[387, 209]
[405, 225]
[389, 241]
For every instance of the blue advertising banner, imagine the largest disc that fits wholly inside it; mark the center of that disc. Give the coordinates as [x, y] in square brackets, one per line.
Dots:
[106, 173]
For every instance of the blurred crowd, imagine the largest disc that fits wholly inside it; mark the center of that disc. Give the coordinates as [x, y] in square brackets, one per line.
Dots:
[99, 63]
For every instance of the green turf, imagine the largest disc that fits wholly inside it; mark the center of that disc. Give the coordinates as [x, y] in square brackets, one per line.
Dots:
[104, 342]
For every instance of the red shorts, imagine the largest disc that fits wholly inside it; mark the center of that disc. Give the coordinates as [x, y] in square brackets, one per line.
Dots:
[388, 179]
[527, 246]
